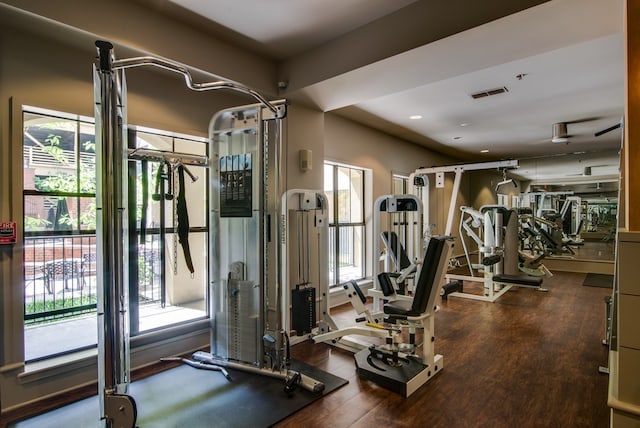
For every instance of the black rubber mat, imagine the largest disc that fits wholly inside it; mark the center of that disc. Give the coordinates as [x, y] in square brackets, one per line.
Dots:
[188, 397]
[598, 280]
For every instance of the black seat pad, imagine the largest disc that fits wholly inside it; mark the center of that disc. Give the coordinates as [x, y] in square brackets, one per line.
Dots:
[426, 281]
[531, 281]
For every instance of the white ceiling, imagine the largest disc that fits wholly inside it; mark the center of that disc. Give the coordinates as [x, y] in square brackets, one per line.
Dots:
[569, 55]
[289, 27]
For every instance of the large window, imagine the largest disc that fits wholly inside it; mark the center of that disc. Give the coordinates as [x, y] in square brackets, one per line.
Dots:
[60, 253]
[344, 186]
[59, 231]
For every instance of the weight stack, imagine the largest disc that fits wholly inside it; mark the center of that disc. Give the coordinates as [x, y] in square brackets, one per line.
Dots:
[303, 310]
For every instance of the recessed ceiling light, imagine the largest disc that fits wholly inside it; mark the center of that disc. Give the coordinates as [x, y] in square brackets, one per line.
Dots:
[464, 124]
[415, 117]
[484, 151]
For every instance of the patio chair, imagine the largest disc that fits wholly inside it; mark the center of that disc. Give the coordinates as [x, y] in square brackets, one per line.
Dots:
[88, 266]
[62, 270]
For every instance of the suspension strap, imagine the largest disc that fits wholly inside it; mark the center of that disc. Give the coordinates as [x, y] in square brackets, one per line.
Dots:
[183, 220]
[144, 165]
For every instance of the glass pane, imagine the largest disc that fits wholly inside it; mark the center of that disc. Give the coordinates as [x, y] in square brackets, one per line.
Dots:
[87, 210]
[331, 259]
[87, 158]
[49, 153]
[357, 196]
[58, 213]
[60, 285]
[40, 213]
[344, 195]
[191, 147]
[148, 140]
[328, 189]
[181, 296]
[350, 194]
[351, 253]
[184, 294]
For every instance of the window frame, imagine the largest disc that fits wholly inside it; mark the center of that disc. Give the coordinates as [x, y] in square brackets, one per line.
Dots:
[78, 232]
[334, 223]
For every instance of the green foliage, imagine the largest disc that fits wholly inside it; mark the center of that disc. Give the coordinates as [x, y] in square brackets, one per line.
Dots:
[145, 271]
[52, 305]
[90, 146]
[41, 307]
[35, 223]
[62, 181]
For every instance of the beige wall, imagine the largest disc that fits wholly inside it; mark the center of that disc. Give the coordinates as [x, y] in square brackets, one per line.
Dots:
[55, 72]
[305, 129]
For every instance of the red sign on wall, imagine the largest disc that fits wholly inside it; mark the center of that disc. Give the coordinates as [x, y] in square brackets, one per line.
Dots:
[8, 232]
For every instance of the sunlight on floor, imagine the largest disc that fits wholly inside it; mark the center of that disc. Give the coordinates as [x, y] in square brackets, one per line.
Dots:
[54, 338]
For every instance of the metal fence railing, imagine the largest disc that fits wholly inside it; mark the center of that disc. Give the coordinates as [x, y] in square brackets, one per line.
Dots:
[350, 256]
[37, 156]
[60, 277]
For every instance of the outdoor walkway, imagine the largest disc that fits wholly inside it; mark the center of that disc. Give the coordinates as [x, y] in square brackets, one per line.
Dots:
[57, 337]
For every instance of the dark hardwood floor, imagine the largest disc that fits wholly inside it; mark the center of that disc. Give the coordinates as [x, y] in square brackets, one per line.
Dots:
[528, 360]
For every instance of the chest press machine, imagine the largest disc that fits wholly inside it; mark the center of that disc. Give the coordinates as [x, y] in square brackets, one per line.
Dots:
[391, 363]
[494, 277]
[403, 214]
[397, 365]
[498, 253]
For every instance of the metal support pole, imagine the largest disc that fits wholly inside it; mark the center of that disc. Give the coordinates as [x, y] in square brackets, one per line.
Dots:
[116, 408]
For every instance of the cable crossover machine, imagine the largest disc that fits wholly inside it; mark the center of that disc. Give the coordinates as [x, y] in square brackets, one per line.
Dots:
[248, 314]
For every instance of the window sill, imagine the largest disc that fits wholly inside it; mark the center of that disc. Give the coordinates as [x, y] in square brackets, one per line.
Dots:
[153, 345]
[37, 371]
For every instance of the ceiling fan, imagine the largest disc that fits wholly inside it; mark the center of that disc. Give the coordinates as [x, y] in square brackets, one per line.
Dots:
[609, 129]
[560, 133]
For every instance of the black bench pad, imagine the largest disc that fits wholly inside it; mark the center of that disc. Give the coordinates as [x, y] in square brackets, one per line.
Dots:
[530, 281]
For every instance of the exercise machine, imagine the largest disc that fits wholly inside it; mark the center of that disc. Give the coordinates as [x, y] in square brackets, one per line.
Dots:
[304, 238]
[498, 255]
[403, 213]
[394, 364]
[572, 218]
[397, 365]
[250, 323]
[419, 182]
[247, 329]
[394, 260]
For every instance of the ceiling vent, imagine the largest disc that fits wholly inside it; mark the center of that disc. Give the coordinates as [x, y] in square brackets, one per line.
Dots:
[489, 92]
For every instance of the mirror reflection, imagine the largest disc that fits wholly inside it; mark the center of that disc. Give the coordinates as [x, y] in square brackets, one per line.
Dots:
[574, 199]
